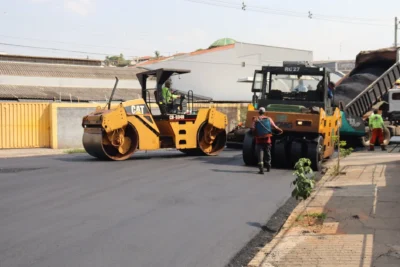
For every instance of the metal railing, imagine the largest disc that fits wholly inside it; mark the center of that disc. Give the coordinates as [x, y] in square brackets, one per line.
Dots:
[362, 103]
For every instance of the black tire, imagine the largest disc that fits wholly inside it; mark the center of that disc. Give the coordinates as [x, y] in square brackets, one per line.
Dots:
[279, 154]
[248, 150]
[315, 153]
[296, 152]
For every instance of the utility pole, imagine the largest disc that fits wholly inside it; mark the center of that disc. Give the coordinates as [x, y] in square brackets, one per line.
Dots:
[396, 28]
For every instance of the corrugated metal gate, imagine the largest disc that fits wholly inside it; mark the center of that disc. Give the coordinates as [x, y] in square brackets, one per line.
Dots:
[24, 125]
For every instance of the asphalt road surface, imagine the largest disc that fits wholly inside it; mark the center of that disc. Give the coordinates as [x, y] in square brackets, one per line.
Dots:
[163, 210]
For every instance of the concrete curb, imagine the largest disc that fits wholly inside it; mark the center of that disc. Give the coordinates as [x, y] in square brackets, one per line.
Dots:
[300, 208]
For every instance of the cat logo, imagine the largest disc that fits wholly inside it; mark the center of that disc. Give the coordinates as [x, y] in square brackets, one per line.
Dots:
[136, 109]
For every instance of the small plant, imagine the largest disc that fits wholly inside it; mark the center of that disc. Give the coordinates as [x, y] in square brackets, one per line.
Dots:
[304, 182]
[342, 153]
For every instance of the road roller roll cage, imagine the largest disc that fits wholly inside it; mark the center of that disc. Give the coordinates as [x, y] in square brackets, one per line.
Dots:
[161, 75]
[268, 95]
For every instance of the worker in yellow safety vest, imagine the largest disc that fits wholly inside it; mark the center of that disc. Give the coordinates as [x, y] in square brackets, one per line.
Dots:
[376, 125]
[168, 97]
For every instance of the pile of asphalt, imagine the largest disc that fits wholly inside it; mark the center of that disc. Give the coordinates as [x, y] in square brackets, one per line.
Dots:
[359, 79]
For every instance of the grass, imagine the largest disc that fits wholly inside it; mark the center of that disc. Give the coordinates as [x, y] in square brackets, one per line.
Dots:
[75, 151]
[318, 216]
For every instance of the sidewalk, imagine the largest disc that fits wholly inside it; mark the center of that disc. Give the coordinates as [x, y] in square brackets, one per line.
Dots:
[30, 152]
[355, 219]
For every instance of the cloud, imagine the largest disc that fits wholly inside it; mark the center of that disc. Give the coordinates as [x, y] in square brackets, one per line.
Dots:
[81, 7]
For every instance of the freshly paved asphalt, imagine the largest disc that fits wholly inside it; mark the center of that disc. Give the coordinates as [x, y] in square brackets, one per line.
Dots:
[166, 210]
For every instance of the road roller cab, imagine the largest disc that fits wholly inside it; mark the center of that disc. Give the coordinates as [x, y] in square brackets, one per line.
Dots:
[295, 96]
[116, 133]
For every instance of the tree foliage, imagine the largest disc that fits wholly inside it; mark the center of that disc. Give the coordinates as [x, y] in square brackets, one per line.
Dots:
[118, 61]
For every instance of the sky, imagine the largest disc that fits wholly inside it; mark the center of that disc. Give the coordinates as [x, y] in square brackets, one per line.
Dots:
[337, 29]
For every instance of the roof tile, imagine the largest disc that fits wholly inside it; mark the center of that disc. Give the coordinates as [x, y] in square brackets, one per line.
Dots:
[66, 71]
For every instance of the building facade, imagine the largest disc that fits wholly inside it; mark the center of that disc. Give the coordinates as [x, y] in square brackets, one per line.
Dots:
[215, 71]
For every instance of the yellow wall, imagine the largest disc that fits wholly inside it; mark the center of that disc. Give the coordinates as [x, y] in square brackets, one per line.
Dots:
[24, 125]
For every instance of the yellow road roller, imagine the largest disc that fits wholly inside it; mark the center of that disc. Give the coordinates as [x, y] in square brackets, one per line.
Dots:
[116, 133]
[295, 96]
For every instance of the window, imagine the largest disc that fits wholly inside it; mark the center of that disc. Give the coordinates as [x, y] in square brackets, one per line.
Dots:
[396, 96]
[258, 81]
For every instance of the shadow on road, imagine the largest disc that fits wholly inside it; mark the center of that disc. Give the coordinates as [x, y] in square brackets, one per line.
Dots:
[235, 160]
[88, 158]
[233, 171]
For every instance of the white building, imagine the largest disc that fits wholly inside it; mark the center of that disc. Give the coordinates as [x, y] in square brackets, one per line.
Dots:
[215, 71]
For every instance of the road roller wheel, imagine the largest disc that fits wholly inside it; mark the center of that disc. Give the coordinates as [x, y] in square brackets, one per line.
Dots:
[315, 153]
[296, 152]
[280, 157]
[248, 150]
[119, 145]
[210, 141]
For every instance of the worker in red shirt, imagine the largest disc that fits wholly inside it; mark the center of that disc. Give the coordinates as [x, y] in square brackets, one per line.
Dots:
[262, 130]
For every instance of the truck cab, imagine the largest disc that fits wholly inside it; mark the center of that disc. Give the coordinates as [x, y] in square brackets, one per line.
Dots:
[394, 104]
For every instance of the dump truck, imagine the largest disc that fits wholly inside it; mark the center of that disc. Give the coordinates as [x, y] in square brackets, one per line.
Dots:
[365, 88]
[116, 133]
[295, 96]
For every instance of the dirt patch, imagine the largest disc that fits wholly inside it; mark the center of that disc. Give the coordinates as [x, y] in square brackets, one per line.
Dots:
[311, 223]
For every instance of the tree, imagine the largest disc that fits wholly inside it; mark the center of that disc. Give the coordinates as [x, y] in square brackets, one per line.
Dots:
[157, 54]
[118, 61]
[342, 153]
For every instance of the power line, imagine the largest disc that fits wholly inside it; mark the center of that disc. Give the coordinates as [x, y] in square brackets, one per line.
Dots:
[41, 40]
[266, 10]
[301, 13]
[55, 49]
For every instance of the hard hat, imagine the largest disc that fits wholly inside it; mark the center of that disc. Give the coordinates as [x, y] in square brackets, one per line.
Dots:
[397, 82]
[261, 110]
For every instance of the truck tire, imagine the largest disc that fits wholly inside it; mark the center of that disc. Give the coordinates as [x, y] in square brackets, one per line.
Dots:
[248, 150]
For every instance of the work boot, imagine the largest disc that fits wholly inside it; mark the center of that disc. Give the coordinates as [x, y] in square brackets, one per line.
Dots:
[268, 168]
[261, 167]
[371, 148]
[383, 148]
